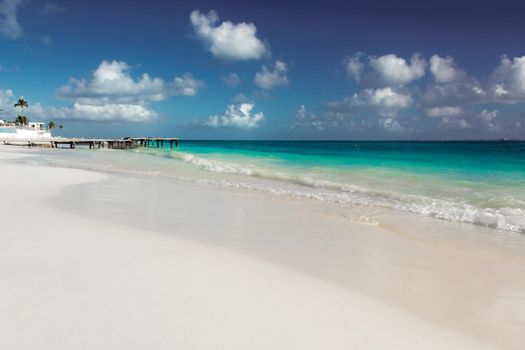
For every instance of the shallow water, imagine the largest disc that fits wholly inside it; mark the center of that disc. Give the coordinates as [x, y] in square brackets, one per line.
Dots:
[481, 183]
[475, 182]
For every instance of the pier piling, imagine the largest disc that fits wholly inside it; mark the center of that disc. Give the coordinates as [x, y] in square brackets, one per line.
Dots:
[125, 143]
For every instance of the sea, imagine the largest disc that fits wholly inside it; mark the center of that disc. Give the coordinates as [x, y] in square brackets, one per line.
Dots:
[474, 182]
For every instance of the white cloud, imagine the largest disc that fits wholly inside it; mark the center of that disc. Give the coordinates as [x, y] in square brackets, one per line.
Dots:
[301, 112]
[186, 85]
[508, 80]
[454, 88]
[112, 93]
[9, 26]
[454, 122]
[386, 70]
[490, 118]
[369, 104]
[394, 70]
[109, 112]
[382, 98]
[445, 111]
[78, 111]
[114, 112]
[390, 124]
[449, 116]
[238, 116]
[456, 93]
[242, 98]
[113, 81]
[268, 79]
[227, 41]
[231, 79]
[305, 119]
[450, 99]
[354, 66]
[444, 69]
[7, 99]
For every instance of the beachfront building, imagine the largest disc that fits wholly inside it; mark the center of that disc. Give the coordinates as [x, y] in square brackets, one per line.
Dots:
[36, 125]
[34, 130]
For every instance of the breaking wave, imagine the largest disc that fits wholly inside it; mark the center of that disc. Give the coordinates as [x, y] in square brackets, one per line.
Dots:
[281, 182]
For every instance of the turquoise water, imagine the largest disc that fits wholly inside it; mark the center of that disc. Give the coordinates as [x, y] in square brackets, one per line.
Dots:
[481, 183]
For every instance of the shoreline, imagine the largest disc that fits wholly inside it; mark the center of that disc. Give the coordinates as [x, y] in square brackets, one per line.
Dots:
[408, 251]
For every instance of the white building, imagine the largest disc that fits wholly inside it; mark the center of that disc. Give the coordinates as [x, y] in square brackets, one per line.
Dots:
[36, 125]
[9, 131]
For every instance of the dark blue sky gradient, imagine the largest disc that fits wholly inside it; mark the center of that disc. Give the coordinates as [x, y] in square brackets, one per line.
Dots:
[312, 37]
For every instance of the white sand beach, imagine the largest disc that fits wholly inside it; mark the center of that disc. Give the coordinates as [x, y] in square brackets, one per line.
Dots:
[223, 269]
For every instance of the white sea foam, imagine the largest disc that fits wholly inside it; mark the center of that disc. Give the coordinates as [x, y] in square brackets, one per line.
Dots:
[288, 184]
[279, 182]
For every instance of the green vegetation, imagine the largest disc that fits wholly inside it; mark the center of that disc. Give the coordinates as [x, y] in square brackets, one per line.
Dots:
[22, 120]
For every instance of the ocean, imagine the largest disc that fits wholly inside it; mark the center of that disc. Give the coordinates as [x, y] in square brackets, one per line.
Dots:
[480, 183]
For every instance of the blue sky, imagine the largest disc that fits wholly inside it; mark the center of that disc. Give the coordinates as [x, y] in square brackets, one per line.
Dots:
[267, 70]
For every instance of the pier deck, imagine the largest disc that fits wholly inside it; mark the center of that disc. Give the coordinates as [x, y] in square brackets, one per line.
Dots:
[124, 143]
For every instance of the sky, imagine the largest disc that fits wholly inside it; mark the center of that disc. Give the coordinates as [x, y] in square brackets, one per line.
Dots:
[312, 70]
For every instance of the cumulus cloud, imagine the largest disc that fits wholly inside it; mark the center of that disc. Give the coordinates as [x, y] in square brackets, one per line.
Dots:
[305, 119]
[78, 111]
[508, 80]
[9, 26]
[383, 98]
[113, 81]
[454, 122]
[444, 69]
[449, 116]
[396, 70]
[114, 112]
[369, 108]
[236, 116]
[109, 112]
[451, 98]
[186, 85]
[112, 93]
[445, 111]
[7, 99]
[490, 118]
[227, 40]
[268, 79]
[386, 70]
[463, 92]
[390, 124]
[354, 66]
[231, 79]
[453, 86]
[376, 109]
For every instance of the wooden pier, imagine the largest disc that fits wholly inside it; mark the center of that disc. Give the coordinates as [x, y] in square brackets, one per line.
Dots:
[124, 143]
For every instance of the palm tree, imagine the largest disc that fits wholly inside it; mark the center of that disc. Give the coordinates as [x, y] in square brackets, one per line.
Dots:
[61, 127]
[51, 125]
[22, 120]
[21, 103]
